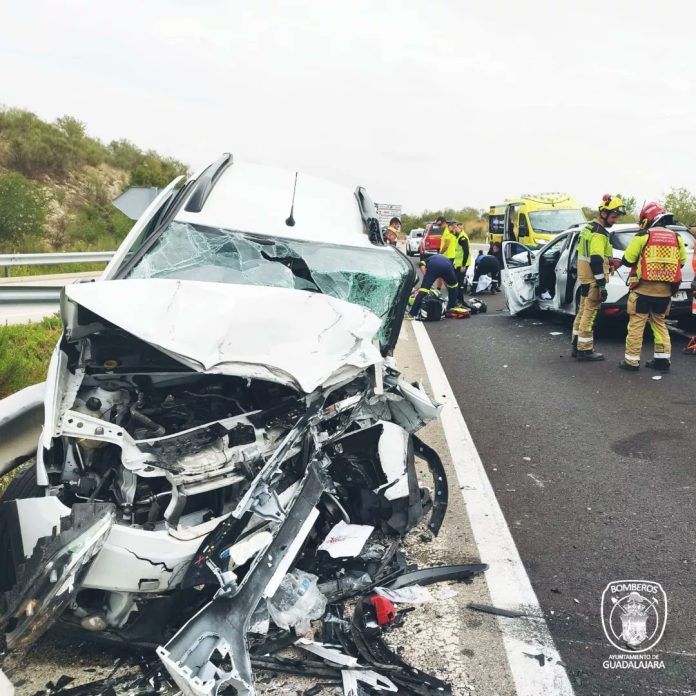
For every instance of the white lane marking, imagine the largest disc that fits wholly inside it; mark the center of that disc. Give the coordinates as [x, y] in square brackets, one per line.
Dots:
[507, 580]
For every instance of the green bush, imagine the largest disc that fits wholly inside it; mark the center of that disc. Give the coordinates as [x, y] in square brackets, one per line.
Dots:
[97, 228]
[154, 170]
[467, 215]
[23, 211]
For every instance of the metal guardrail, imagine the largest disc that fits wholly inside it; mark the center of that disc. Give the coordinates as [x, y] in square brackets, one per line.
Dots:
[9, 260]
[35, 294]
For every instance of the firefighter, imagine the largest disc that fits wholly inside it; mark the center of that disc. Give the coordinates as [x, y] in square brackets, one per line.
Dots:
[594, 251]
[448, 241]
[656, 256]
[462, 259]
[437, 266]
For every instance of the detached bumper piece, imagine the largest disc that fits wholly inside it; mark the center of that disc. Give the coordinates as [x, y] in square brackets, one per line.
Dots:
[48, 579]
[211, 649]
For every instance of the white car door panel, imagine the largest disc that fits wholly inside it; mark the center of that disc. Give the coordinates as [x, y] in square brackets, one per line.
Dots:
[519, 277]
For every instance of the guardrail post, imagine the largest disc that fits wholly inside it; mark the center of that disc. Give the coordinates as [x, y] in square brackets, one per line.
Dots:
[6, 271]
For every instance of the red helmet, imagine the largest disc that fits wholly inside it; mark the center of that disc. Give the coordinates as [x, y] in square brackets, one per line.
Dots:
[652, 213]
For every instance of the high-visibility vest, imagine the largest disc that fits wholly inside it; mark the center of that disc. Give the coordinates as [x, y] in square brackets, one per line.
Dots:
[459, 251]
[447, 235]
[659, 261]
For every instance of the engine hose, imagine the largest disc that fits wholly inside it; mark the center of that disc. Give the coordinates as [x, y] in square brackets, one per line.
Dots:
[147, 422]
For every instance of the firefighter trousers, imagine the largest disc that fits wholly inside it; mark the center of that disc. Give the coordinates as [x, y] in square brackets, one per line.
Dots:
[583, 326]
[644, 309]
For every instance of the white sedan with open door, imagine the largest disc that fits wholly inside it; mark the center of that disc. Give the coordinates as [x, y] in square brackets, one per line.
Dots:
[547, 278]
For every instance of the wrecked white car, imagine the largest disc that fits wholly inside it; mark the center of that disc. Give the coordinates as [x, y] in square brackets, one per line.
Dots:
[219, 401]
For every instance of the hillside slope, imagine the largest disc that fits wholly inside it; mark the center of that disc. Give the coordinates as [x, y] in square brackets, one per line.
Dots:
[57, 184]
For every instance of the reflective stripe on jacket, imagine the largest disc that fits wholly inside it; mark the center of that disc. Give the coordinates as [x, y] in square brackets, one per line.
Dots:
[656, 256]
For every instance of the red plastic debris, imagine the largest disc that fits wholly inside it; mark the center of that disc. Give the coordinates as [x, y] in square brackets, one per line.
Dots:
[384, 609]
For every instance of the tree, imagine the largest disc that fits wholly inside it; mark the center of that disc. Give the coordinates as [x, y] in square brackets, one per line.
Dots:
[630, 203]
[682, 204]
[23, 211]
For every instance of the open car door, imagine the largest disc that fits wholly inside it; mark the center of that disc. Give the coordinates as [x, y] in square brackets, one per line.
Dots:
[520, 276]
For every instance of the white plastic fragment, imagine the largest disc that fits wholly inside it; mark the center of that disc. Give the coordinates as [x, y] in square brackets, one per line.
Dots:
[413, 594]
[555, 333]
[377, 681]
[6, 688]
[657, 377]
[346, 540]
[325, 653]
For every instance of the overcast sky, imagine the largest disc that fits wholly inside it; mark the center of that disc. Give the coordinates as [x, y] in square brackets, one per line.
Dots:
[428, 104]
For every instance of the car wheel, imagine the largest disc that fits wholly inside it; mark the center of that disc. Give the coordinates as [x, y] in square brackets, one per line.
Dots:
[22, 486]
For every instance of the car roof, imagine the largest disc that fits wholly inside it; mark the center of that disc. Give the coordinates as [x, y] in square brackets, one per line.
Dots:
[253, 198]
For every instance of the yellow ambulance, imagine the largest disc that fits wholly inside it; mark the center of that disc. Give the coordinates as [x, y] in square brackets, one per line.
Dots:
[533, 219]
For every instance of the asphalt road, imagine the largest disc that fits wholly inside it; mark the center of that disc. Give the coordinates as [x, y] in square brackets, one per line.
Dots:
[595, 472]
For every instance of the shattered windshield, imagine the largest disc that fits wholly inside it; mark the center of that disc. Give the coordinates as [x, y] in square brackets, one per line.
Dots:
[368, 277]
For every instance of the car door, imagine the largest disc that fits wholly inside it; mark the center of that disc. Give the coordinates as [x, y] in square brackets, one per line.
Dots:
[563, 269]
[567, 273]
[519, 276]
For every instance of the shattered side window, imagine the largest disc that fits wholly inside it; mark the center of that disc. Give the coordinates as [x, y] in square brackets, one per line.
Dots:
[367, 277]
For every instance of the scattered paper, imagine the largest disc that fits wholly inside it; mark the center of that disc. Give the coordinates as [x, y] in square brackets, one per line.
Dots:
[413, 594]
[346, 540]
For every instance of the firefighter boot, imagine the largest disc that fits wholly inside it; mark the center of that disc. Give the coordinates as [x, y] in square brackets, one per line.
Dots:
[589, 356]
[631, 368]
[574, 352]
[659, 364]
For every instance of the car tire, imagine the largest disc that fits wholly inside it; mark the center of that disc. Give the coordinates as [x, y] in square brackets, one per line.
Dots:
[22, 486]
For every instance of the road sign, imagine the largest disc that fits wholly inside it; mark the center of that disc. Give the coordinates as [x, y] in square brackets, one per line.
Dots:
[386, 211]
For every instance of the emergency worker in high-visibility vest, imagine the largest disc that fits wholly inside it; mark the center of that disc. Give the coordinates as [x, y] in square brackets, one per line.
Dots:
[656, 256]
[462, 259]
[448, 241]
[594, 252]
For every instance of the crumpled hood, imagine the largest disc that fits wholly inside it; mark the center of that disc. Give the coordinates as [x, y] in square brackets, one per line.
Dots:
[294, 337]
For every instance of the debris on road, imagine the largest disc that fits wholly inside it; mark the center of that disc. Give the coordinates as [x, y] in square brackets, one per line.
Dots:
[488, 609]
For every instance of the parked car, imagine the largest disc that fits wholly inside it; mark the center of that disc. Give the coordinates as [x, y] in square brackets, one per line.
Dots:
[430, 244]
[218, 402]
[413, 241]
[547, 278]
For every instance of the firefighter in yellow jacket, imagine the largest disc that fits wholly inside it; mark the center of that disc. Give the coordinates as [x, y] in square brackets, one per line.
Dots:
[656, 256]
[594, 251]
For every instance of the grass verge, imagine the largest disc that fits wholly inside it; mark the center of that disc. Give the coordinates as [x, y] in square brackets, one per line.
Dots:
[25, 350]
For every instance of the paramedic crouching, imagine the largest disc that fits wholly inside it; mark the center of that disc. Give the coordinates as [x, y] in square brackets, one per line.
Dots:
[488, 265]
[437, 266]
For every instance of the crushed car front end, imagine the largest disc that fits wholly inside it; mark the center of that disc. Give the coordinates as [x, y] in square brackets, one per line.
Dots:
[216, 406]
